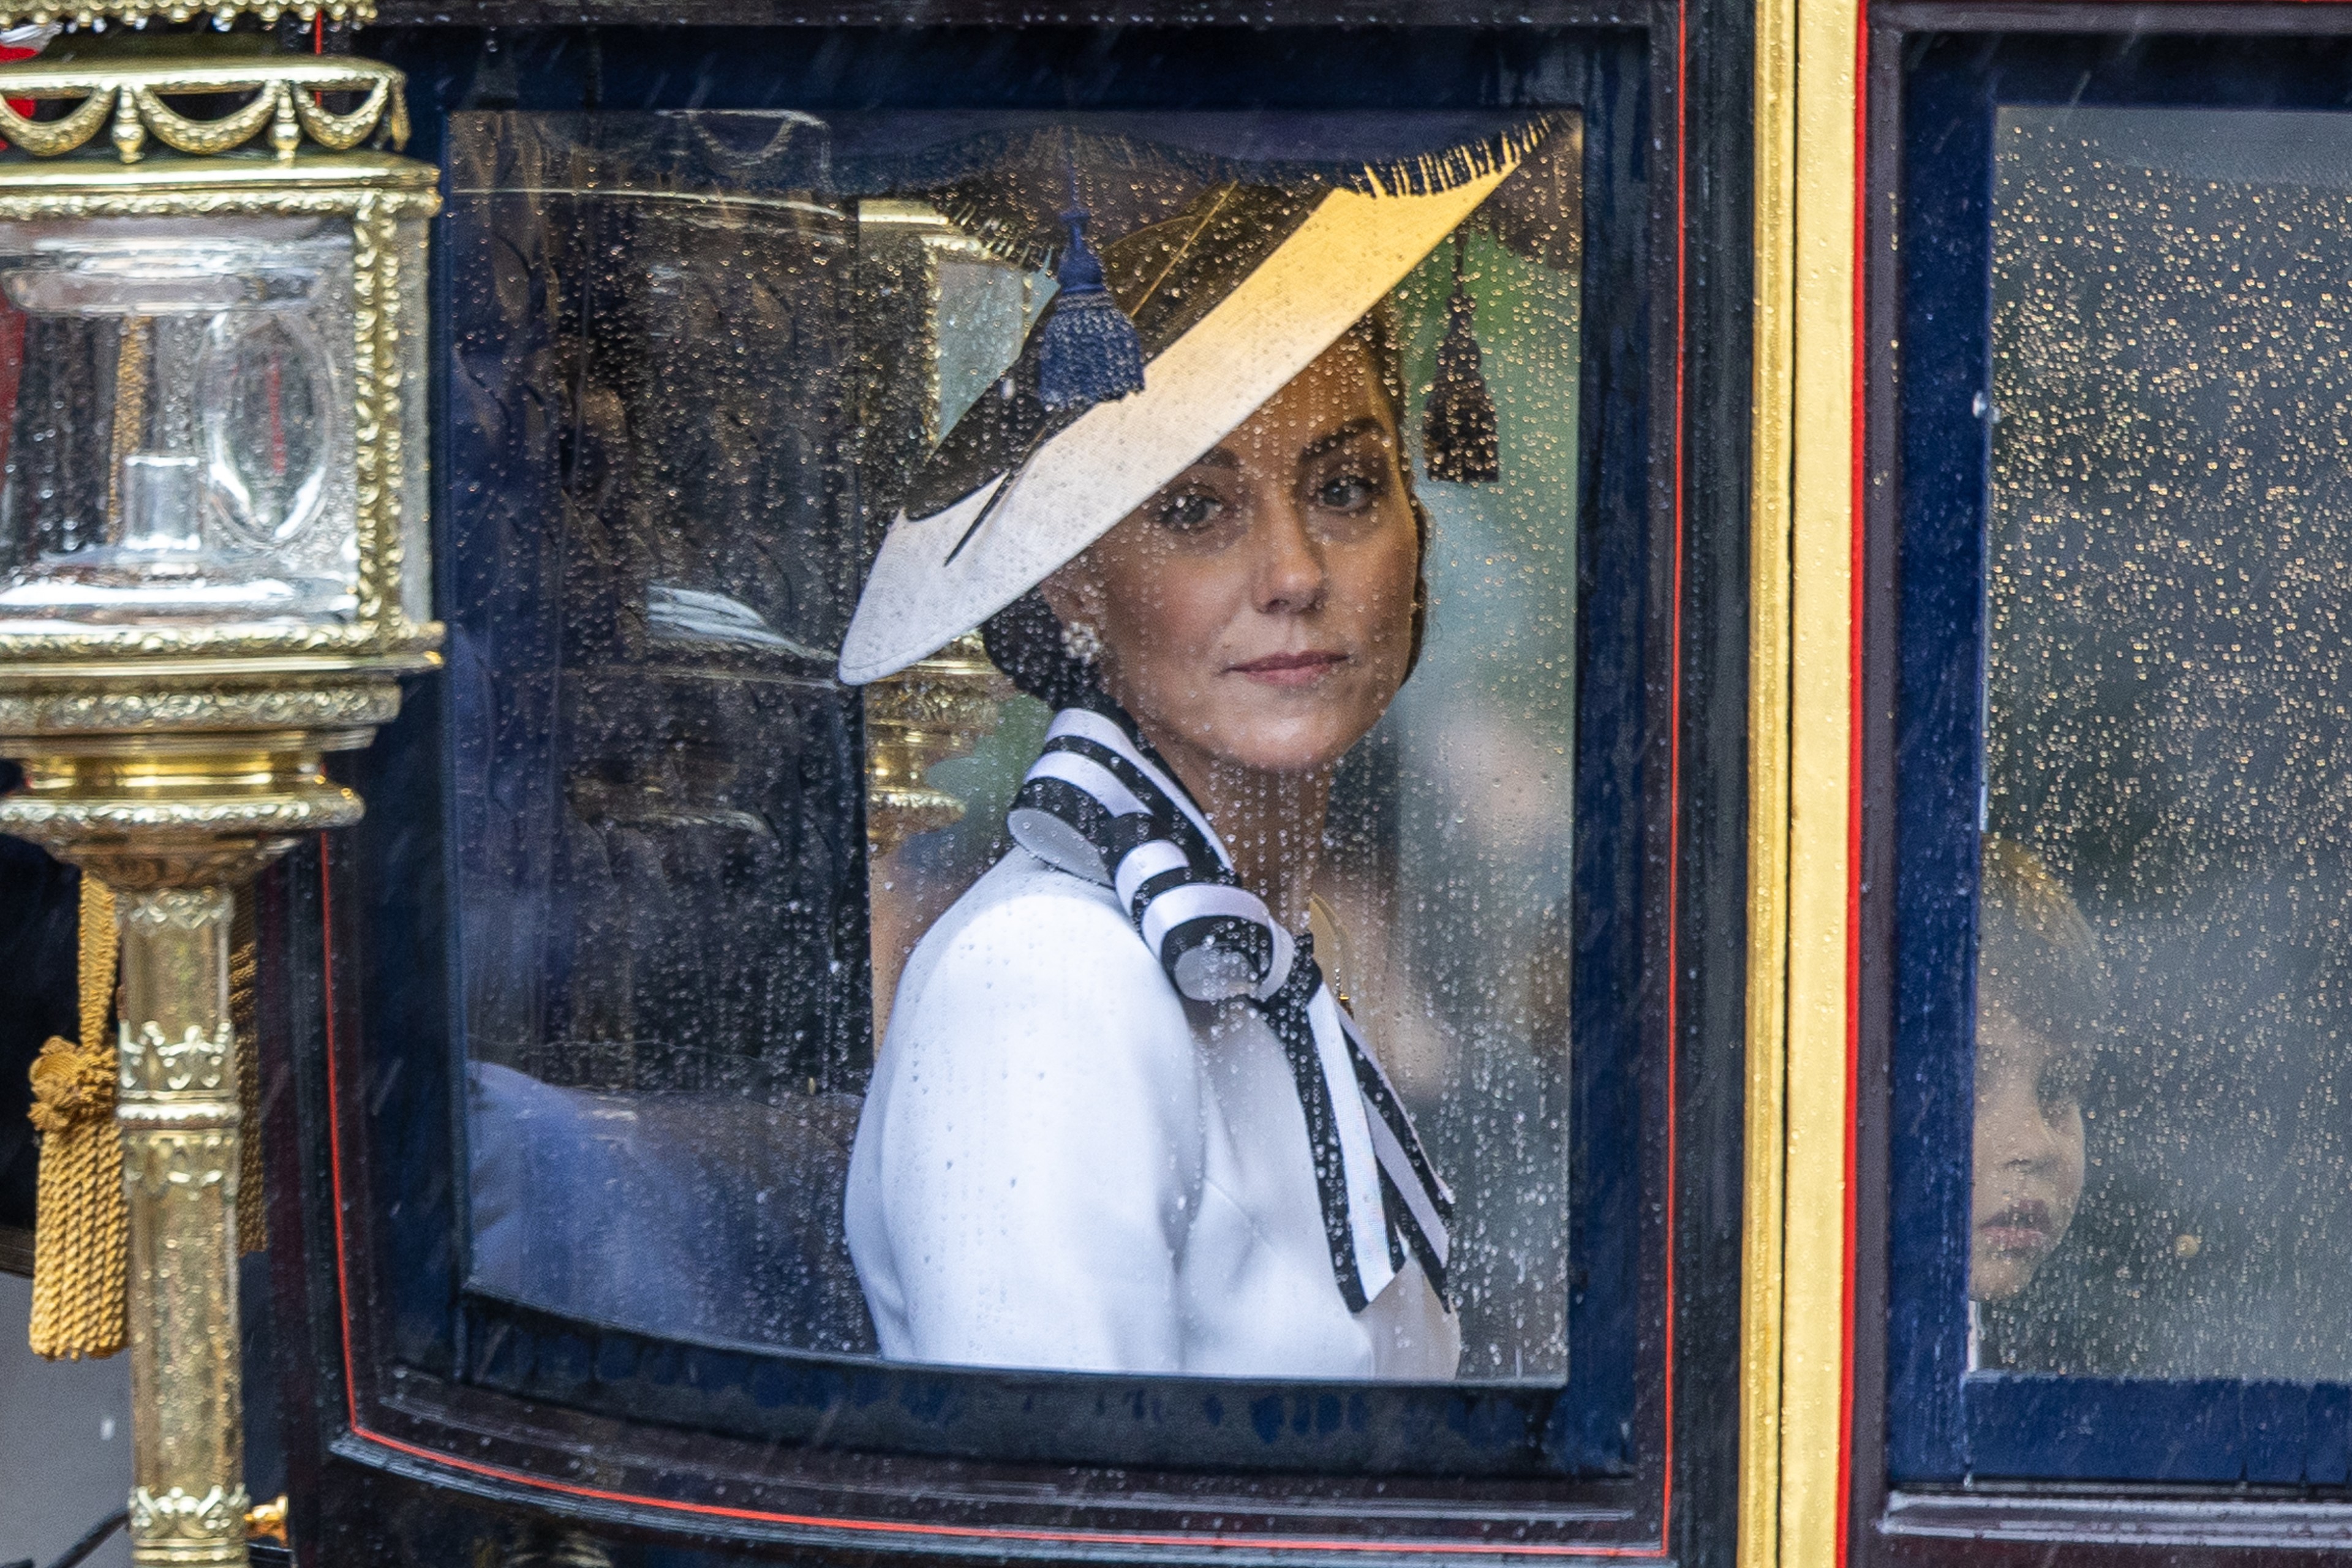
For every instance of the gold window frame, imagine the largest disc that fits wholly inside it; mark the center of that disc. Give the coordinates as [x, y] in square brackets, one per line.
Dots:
[1805, 514]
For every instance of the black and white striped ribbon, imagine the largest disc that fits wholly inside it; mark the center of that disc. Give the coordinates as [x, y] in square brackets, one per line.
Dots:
[1097, 804]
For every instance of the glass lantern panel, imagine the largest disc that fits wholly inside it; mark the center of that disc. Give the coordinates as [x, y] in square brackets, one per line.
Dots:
[176, 411]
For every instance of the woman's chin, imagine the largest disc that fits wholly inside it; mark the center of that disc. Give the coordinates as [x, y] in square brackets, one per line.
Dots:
[1268, 730]
[2002, 1275]
[1289, 744]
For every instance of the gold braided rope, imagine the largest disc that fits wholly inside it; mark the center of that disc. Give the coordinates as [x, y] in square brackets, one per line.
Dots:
[81, 1235]
[244, 966]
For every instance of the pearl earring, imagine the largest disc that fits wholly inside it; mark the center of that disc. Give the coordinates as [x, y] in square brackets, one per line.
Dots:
[1081, 641]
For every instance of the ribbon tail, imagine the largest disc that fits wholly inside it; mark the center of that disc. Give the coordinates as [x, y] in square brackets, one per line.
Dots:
[1419, 1205]
[1367, 1222]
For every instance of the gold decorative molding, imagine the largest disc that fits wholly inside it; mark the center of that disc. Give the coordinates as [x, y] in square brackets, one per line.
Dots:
[145, 813]
[128, 95]
[151, 1064]
[203, 1521]
[69, 821]
[189, 908]
[172, 819]
[140, 13]
[345, 642]
[266, 1521]
[1764, 1189]
[178, 1164]
[1800, 730]
[181, 1159]
[375, 282]
[933, 709]
[193, 187]
[90, 709]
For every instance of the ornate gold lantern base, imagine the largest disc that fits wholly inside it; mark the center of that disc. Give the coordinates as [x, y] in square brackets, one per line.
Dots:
[174, 797]
[170, 756]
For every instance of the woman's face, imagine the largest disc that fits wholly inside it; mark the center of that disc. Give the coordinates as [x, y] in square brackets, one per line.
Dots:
[2028, 1152]
[1258, 610]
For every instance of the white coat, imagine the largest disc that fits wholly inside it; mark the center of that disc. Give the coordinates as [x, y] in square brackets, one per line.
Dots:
[1062, 1163]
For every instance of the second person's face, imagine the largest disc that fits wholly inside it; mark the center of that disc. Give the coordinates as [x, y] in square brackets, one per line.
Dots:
[1258, 610]
[2028, 1152]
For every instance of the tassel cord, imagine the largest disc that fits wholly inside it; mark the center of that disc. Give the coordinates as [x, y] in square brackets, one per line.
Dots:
[82, 1219]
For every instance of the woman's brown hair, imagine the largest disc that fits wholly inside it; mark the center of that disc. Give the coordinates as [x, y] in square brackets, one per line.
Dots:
[2036, 956]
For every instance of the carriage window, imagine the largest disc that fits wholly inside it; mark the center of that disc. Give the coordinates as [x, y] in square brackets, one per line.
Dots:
[2162, 1124]
[1014, 713]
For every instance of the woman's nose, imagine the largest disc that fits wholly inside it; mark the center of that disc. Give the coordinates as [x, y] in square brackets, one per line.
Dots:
[1291, 574]
[2023, 1136]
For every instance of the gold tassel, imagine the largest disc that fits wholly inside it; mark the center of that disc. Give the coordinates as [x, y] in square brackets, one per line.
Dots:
[82, 1223]
[82, 1234]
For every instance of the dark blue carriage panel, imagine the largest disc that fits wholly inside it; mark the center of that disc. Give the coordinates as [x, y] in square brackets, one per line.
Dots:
[1947, 388]
[2025, 1427]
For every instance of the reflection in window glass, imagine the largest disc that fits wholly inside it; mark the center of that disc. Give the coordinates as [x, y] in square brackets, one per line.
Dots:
[2165, 935]
[652, 395]
[734, 348]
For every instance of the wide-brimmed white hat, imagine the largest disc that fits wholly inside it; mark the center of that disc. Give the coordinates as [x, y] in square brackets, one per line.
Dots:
[1230, 300]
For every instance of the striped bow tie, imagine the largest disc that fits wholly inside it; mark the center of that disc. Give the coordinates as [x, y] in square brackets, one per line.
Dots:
[1097, 804]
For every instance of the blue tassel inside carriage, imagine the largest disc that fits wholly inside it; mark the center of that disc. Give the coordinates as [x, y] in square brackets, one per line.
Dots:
[1088, 352]
[1461, 444]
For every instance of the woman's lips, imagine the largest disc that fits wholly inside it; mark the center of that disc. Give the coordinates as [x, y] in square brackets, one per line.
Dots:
[2020, 1227]
[1290, 669]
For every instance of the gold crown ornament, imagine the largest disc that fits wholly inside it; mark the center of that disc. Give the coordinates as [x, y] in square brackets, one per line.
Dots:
[134, 85]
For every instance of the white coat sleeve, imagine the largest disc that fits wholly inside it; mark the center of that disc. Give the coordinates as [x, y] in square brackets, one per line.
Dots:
[1037, 1148]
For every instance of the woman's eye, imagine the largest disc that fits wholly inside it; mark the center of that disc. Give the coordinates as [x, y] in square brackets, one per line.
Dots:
[2062, 1086]
[1190, 512]
[1348, 492]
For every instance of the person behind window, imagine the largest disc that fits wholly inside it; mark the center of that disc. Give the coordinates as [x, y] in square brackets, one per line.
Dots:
[1120, 1122]
[2038, 985]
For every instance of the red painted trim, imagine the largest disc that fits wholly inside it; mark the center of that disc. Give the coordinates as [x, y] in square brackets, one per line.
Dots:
[360, 1430]
[23, 107]
[1860, 459]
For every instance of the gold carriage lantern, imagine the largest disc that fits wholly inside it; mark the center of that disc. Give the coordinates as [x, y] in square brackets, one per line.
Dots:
[213, 570]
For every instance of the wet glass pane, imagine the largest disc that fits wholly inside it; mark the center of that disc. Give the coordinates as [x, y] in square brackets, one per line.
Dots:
[2162, 1127]
[744, 1061]
[655, 781]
